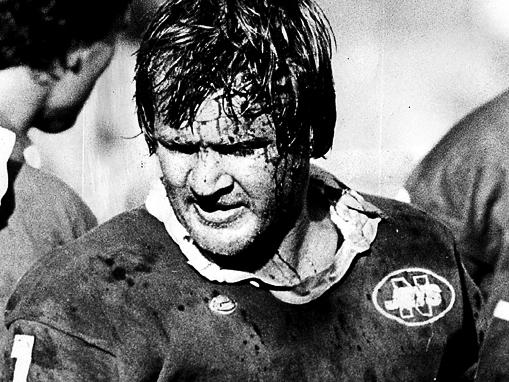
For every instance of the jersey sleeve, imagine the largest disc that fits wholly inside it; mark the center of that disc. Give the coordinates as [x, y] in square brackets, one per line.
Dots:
[37, 352]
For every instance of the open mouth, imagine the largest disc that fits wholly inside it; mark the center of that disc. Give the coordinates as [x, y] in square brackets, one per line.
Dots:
[218, 214]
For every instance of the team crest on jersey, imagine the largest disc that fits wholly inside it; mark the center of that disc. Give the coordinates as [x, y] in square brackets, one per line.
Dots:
[413, 296]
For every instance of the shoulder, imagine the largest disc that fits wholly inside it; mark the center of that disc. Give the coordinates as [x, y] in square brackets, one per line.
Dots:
[395, 211]
[43, 185]
[486, 127]
[491, 118]
[409, 235]
[476, 143]
[80, 286]
[467, 167]
[129, 237]
[38, 190]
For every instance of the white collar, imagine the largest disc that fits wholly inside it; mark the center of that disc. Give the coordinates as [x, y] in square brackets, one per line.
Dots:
[7, 140]
[348, 213]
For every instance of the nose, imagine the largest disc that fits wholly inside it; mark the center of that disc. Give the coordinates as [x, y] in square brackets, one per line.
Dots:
[208, 177]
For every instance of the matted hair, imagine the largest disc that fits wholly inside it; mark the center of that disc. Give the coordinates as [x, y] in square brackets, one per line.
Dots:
[280, 48]
[35, 33]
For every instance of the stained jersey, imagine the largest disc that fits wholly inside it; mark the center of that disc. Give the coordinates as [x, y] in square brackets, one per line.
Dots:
[130, 307]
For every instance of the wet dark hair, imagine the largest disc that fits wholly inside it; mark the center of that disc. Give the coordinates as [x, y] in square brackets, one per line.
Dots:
[280, 48]
[35, 33]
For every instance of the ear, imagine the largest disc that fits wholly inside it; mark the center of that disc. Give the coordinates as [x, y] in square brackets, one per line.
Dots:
[74, 60]
[72, 63]
[95, 56]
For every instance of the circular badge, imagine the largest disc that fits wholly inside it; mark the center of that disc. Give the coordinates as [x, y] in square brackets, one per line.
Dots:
[413, 296]
[222, 304]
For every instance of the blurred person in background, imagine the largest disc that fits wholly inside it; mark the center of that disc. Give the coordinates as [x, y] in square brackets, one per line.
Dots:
[51, 54]
[246, 262]
[464, 181]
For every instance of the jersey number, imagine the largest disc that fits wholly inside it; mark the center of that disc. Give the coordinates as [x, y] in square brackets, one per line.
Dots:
[22, 352]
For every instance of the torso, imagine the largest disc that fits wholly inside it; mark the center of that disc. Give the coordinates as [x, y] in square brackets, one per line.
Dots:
[157, 307]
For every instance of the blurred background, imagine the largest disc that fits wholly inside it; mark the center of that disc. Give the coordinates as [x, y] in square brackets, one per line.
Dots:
[405, 72]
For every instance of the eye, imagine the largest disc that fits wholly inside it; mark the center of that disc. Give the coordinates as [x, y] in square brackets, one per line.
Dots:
[182, 148]
[236, 150]
[242, 148]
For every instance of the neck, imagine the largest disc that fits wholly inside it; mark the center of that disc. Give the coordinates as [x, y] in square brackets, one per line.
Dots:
[21, 99]
[313, 241]
[291, 247]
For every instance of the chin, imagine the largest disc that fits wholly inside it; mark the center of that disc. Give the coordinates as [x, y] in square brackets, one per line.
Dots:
[221, 246]
[233, 241]
[57, 121]
[228, 238]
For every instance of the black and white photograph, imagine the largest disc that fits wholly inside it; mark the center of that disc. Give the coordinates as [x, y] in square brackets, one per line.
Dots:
[254, 190]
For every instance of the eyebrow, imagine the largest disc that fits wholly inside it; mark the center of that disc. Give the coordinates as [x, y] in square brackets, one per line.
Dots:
[254, 142]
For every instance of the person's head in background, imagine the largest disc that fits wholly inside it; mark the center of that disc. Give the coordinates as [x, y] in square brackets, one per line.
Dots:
[51, 54]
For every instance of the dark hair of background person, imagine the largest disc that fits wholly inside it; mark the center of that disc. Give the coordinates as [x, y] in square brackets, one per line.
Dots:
[281, 49]
[35, 33]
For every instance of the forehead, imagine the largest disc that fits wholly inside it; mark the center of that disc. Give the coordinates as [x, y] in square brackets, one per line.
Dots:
[219, 119]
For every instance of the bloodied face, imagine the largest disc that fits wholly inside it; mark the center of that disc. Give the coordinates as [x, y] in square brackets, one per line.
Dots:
[227, 183]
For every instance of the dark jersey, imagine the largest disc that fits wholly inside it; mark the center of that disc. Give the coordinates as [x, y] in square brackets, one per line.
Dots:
[38, 213]
[464, 181]
[122, 304]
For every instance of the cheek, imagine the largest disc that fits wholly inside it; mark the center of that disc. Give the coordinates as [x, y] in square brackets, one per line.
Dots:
[175, 167]
[110, 52]
[256, 176]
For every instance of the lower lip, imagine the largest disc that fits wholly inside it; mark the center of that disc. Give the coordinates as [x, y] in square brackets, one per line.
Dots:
[218, 217]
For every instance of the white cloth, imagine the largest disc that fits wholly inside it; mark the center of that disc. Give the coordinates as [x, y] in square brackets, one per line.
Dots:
[7, 140]
[403, 196]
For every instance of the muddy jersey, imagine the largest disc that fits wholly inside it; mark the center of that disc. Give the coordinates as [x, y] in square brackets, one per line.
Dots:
[130, 307]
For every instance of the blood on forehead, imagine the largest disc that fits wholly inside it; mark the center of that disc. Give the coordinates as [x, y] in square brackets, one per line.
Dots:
[221, 120]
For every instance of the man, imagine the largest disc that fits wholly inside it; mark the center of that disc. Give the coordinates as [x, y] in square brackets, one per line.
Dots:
[464, 182]
[50, 58]
[245, 263]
